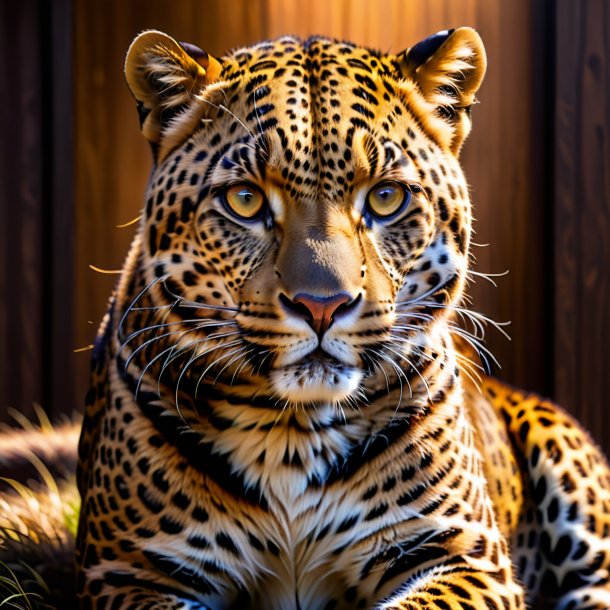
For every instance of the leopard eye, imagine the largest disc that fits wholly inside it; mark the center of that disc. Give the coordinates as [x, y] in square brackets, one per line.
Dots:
[386, 199]
[244, 200]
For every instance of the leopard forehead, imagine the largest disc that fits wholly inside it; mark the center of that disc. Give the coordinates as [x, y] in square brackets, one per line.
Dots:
[319, 98]
[316, 118]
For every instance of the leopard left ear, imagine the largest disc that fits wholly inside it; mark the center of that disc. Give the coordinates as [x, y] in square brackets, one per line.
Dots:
[164, 76]
[449, 68]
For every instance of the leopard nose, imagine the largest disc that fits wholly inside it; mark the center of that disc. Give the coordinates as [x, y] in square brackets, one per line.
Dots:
[320, 312]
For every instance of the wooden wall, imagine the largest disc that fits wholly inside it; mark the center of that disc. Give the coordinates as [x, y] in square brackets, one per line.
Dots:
[36, 207]
[526, 190]
[582, 212]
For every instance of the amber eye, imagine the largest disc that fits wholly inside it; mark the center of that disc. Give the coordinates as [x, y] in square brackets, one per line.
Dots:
[244, 200]
[387, 199]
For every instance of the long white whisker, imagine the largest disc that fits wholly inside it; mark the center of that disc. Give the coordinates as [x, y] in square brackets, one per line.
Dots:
[188, 304]
[239, 353]
[196, 357]
[425, 294]
[181, 331]
[138, 332]
[403, 357]
[132, 304]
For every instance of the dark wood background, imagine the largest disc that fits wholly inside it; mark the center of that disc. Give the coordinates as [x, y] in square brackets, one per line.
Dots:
[74, 166]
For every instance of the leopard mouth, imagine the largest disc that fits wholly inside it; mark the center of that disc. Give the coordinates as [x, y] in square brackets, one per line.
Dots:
[317, 378]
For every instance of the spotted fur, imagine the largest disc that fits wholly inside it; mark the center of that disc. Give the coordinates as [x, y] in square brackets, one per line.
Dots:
[233, 454]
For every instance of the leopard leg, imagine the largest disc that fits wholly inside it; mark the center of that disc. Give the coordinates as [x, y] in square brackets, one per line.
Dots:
[457, 588]
[135, 598]
[589, 598]
[561, 547]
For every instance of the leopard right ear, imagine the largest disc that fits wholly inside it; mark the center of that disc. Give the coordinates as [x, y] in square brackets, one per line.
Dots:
[164, 76]
[448, 68]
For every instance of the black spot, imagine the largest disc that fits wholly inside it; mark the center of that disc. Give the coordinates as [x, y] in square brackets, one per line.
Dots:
[255, 542]
[169, 525]
[152, 240]
[154, 506]
[143, 465]
[198, 542]
[535, 456]
[411, 495]
[185, 576]
[200, 514]
[160, 481]
[225, 542]
[377, 511]
[553, 510]
[350, 594]
[389, 483]
[561, 551]
[181, 500]
[347, 523]
[581, 550]
[539, 490]
[523, 431]
[144, 532]
[122, 487]
[189, 278]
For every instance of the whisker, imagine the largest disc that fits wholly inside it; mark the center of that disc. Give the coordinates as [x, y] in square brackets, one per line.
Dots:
[196, 357]
[466, 365]
[481, 350]
[199, 321]
[425, 294]
[399, 372]
[240, 353]
[138, 297]
[172, 358]
[188, 304]
[148, 342]
[378, 366]
[487, 276]
[403, 357]
[473, 315]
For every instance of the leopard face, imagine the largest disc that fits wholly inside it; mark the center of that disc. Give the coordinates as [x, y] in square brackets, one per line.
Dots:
[307, 222]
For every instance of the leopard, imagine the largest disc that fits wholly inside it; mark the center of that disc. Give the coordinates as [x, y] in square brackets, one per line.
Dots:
[288, 409]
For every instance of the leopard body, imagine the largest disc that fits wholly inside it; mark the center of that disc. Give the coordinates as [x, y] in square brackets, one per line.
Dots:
[284, 411]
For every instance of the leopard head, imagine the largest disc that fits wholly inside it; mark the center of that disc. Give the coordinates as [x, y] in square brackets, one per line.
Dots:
[307, 222]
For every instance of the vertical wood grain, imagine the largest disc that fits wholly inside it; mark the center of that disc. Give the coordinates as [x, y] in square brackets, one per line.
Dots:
[21, 212]
[58, 278]
[582, 211]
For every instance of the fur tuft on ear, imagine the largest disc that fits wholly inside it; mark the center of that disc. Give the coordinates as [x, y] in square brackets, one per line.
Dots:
[163, 76]
[448, 67]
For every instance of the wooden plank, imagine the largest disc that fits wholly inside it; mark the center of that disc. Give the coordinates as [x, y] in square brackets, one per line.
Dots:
[59, 202]
[21, 226]
[582, 211]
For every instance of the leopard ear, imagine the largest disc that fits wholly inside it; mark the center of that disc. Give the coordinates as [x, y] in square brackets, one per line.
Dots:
[448, 67]
[164, 76]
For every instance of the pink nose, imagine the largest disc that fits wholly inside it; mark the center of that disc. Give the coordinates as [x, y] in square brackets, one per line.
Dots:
[321, 309]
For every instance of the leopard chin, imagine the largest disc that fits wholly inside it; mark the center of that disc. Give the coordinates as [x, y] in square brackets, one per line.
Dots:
[316, 380]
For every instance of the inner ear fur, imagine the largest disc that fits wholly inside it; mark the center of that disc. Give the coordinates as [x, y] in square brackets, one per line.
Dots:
[163, 76]
[448, 68]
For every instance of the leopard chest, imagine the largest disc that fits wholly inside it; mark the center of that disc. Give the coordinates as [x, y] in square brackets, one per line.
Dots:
[301, 546]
